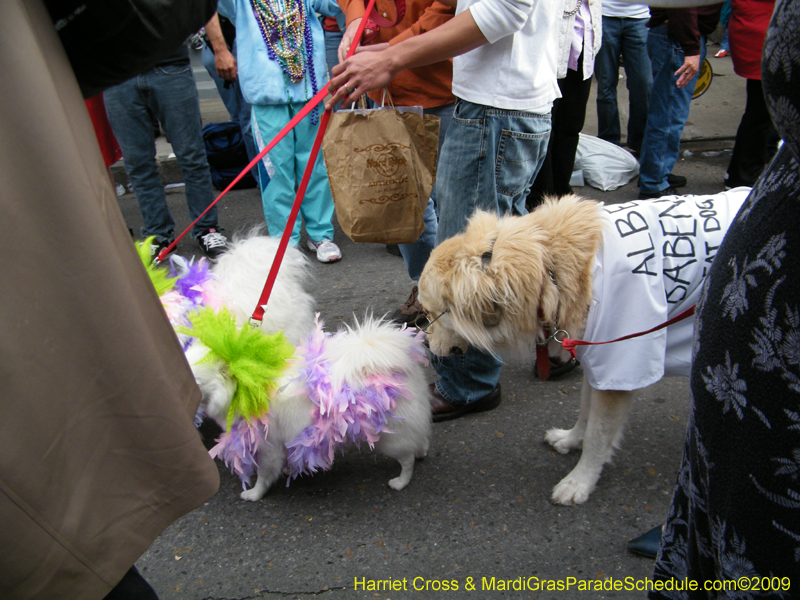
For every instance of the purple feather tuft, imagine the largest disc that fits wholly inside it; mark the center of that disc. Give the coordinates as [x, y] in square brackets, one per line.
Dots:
[238, 447]
[192, 278]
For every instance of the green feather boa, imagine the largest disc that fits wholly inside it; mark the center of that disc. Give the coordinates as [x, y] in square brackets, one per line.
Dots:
[159, 275]
[254, 360]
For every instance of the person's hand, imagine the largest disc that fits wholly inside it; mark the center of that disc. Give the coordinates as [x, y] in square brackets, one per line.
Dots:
[690, 67]
[225, 64]
[348, 36]
[358, 75]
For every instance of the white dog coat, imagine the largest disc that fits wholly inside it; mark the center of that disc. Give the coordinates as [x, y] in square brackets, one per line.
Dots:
[650, 267]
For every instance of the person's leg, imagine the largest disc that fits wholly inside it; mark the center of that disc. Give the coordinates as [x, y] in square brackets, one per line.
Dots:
[498, 178]
[606, 71]
[317, 207]
[278, 189]
[669, 109]
[639, 78]
[175, 101]
[571, 117]
[544, 184]
[416, 255]
[489, 159]
[751, 151]
[132, 587]
[132, 124]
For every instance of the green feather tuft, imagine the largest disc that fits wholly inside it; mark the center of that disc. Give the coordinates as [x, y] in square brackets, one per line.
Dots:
[254, 359]
[159, 276]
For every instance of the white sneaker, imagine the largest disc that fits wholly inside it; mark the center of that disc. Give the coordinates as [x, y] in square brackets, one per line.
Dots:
[326, 250]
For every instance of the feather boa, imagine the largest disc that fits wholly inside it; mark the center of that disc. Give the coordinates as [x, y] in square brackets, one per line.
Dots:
[342, 415]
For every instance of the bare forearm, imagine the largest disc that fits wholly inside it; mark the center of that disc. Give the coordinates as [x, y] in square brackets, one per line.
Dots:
[368, 71]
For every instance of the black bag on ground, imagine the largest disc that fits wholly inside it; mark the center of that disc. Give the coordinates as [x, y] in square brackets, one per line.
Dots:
[227, 155]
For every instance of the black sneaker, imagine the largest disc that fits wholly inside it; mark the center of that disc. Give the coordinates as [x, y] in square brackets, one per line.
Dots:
[670, 191]
[212, 242]
[158, 246]
[676, 181]
[411, 312]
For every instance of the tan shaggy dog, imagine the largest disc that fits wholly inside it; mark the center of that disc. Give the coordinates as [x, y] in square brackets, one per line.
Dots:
[500, 282]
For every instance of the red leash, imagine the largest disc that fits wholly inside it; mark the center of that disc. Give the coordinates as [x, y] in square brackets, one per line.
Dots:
[543, 355]
[258, 313]
[569, 344]
[281, 134]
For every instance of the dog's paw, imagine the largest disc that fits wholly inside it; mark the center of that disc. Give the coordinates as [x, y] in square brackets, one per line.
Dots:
[252, 495]
[563, 440]
[571, 490]
[398, 483]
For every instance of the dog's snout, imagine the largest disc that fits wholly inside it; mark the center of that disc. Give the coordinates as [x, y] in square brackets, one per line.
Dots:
[456, 350]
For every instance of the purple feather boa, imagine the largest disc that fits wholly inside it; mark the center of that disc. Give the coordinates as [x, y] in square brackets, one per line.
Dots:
[342, 415]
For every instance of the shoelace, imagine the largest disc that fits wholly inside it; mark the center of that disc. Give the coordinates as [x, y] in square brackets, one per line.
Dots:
[214, 240]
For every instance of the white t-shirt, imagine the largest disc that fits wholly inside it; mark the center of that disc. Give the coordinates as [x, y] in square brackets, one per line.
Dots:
[650, 267]
[516, 70]
[625, 10]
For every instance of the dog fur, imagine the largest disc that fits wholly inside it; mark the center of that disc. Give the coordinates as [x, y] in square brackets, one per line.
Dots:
[370, 347]
[496, 284]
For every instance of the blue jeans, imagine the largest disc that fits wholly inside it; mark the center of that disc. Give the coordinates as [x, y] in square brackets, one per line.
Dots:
[238, 108]
[416, 255]
[489, 160]
[669, 109]
[626, 38]
[169, 93]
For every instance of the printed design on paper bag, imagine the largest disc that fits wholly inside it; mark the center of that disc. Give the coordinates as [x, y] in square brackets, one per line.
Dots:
[390, 166]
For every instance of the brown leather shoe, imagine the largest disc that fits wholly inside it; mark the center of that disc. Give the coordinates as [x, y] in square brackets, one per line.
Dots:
[411, 312]
[443, 410]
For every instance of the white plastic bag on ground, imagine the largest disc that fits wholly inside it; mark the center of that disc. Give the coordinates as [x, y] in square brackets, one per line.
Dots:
[605, 166]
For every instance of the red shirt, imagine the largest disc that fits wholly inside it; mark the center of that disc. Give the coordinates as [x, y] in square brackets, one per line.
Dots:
[746, 31]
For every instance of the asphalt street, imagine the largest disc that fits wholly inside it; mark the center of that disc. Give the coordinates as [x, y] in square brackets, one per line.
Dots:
[477, 512]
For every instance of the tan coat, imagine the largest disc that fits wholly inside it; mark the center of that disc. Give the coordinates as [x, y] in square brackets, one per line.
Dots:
[98, 453]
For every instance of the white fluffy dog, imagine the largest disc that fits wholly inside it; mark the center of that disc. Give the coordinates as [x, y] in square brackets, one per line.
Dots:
[597, 272]
[366, 383]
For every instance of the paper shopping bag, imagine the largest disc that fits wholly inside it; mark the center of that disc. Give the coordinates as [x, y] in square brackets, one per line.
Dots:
[381, 167]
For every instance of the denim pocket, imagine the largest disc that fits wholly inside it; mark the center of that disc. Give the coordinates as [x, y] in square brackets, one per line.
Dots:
[518, 156]
[174, 69]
